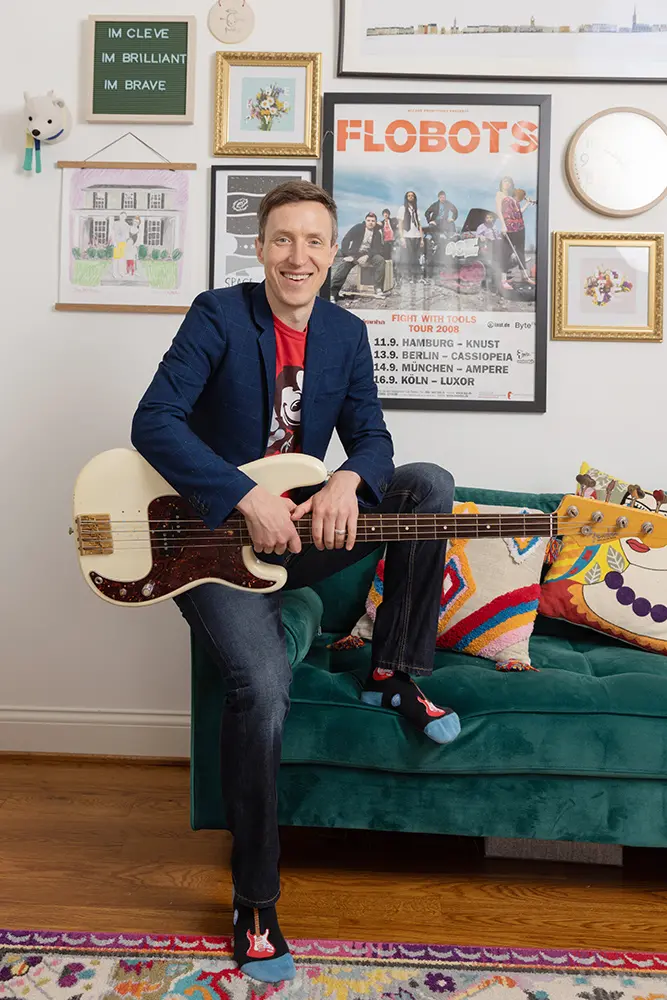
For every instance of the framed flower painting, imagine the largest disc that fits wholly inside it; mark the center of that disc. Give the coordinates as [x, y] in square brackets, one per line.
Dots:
[267, 104]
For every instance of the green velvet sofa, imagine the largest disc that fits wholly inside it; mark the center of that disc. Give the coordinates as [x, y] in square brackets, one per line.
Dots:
[576, 751]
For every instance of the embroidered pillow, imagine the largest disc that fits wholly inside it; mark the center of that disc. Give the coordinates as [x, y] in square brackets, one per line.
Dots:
[490, 593]
[619, 587]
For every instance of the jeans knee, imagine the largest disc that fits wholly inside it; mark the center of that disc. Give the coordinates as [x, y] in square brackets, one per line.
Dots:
[264, 693]
[426, 479]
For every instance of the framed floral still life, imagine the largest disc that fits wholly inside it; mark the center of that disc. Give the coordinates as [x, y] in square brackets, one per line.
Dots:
[608, 286]
[267, 104]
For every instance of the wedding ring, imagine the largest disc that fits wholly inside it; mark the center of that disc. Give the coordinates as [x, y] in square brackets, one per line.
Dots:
[339, 531]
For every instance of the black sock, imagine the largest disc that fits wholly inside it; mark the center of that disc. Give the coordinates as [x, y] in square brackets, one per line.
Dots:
[257, 935]
[396, 689]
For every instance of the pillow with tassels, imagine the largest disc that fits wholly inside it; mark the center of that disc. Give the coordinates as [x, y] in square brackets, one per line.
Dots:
[490, 594]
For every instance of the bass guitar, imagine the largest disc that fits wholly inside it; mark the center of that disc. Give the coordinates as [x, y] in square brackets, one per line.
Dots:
[139, 542]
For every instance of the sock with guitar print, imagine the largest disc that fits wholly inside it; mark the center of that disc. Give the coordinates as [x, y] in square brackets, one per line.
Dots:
[260, 950]
[396, 689]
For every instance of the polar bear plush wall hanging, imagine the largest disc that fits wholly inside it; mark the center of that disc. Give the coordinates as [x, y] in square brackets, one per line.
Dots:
[47, 119]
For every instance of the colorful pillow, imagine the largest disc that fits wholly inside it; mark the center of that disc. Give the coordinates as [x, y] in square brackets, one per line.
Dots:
[491, 589]
[619, 587]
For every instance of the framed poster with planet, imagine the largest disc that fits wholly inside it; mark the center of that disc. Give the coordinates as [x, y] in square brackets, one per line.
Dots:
[236, 192]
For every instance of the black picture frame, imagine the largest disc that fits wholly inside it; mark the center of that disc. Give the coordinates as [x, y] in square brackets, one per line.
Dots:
[541, 101]
[283, 171]
[395, 73]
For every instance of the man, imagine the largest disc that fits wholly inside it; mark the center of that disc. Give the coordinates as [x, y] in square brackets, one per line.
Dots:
[361, 245]
[209, 410]
[442, 215]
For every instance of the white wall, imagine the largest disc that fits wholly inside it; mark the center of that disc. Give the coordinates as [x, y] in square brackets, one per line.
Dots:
[76, 674]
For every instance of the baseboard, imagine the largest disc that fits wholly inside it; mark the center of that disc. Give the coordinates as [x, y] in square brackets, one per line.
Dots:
[89, 731]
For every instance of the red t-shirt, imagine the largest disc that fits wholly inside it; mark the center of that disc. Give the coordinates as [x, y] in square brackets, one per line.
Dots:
[285, 432]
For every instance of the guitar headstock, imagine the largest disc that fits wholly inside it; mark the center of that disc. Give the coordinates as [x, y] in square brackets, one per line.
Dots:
[595, 521]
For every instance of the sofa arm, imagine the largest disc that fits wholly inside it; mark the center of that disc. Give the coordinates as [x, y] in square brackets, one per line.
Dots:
[302, 612]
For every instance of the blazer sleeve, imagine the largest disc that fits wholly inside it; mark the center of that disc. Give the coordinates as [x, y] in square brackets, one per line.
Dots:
[361, 427]
[160, 431]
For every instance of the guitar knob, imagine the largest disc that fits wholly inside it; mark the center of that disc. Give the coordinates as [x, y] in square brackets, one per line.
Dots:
[147, 589]
[647, 528]
[572, 511]
[587, 530]
[622, 523]
[597, 516]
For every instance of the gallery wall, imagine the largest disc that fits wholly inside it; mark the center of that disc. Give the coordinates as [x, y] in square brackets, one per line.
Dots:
[76, 674]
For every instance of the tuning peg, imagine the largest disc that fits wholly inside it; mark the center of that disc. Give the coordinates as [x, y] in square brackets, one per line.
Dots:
[586, 530]
[622, 523]
[597, 516]
[572, 511]
[647, 528]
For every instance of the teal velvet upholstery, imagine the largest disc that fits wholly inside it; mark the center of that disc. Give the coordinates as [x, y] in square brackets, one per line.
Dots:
[575, 751]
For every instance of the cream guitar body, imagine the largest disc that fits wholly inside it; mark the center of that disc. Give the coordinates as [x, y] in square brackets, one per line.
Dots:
[136, 535]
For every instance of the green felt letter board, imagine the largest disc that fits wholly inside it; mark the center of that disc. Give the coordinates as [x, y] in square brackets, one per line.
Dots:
[142, 68]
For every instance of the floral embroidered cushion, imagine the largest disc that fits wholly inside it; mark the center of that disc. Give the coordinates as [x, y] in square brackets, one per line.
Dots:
[490, 593]
[618, 587]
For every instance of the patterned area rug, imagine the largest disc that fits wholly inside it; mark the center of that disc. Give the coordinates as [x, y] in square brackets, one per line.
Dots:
[51, 965]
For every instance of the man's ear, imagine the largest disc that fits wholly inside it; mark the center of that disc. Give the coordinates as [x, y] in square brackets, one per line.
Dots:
[334, 251]
[259, 250]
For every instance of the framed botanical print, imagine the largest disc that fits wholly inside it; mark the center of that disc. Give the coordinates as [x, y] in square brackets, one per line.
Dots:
[236, 193]
[608, 286]
[267, 104]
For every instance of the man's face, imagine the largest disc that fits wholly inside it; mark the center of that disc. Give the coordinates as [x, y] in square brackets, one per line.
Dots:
[442, 198]
[371, 221]
[297, 251]
[490, 220]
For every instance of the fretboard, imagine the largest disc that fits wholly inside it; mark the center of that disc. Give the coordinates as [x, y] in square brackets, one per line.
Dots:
[402, 527]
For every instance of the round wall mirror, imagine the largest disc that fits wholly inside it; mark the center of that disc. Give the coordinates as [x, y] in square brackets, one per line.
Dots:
[616, 162]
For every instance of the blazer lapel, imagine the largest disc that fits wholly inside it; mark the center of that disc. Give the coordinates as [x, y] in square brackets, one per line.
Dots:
[267, 345]
[316, 361]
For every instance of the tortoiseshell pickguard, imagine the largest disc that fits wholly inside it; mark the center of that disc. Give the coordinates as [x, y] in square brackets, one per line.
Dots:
[177, 566]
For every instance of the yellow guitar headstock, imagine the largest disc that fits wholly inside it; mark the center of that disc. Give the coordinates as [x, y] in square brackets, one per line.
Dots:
[595, 521]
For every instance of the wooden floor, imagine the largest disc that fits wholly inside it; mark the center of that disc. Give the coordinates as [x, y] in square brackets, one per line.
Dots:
[105, 845]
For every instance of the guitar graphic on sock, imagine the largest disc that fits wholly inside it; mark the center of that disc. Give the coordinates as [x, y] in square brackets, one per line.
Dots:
[260, 946]
[431, 709]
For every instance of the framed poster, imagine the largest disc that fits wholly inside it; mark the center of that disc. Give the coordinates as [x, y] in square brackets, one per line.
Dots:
[141, 68]
[604, 40]
[453, 280]
[124, 238]
[267, 104]
[608, 286]
[236, 193]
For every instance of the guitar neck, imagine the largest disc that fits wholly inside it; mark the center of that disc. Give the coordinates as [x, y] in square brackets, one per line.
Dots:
[423, 527]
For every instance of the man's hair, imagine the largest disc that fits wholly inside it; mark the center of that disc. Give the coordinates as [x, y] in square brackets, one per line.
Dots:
[442, 192]
[291, 192]
[371, 215]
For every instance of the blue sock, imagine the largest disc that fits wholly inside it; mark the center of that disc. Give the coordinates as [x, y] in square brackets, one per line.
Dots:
[396, 689]
[260, 950]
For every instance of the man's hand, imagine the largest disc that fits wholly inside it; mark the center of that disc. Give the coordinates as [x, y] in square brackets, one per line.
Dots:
[269, 522]
[362, 259]
[348, 260]
[335, 510]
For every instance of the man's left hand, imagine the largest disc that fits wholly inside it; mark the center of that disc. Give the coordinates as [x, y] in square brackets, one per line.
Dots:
[335, 510]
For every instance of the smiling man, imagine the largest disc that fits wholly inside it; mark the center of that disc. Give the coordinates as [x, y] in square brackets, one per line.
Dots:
[256, 370]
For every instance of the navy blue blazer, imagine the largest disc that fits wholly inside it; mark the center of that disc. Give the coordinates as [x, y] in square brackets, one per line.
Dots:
[208, 409]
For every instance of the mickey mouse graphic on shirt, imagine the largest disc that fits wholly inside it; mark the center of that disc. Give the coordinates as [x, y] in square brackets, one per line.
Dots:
[286, 419]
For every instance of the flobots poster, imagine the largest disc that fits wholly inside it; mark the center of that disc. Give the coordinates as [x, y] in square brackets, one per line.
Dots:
[443, 243]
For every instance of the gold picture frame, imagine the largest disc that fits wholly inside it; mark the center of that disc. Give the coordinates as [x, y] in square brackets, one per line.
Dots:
[604, 284]
[240, 138]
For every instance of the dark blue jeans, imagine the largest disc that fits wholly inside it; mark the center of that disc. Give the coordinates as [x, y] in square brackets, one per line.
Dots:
[243, 632]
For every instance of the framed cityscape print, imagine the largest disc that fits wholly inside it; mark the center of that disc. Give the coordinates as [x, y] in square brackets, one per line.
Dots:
[443, 245]
[608, 286]
[267, 104]
[519, 39]
[236, 192]
[125, 237]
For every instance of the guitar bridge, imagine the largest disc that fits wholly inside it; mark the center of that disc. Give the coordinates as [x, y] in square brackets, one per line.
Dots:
[94, 535]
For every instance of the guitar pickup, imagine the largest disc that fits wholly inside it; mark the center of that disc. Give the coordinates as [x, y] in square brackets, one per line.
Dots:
[94, 534]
